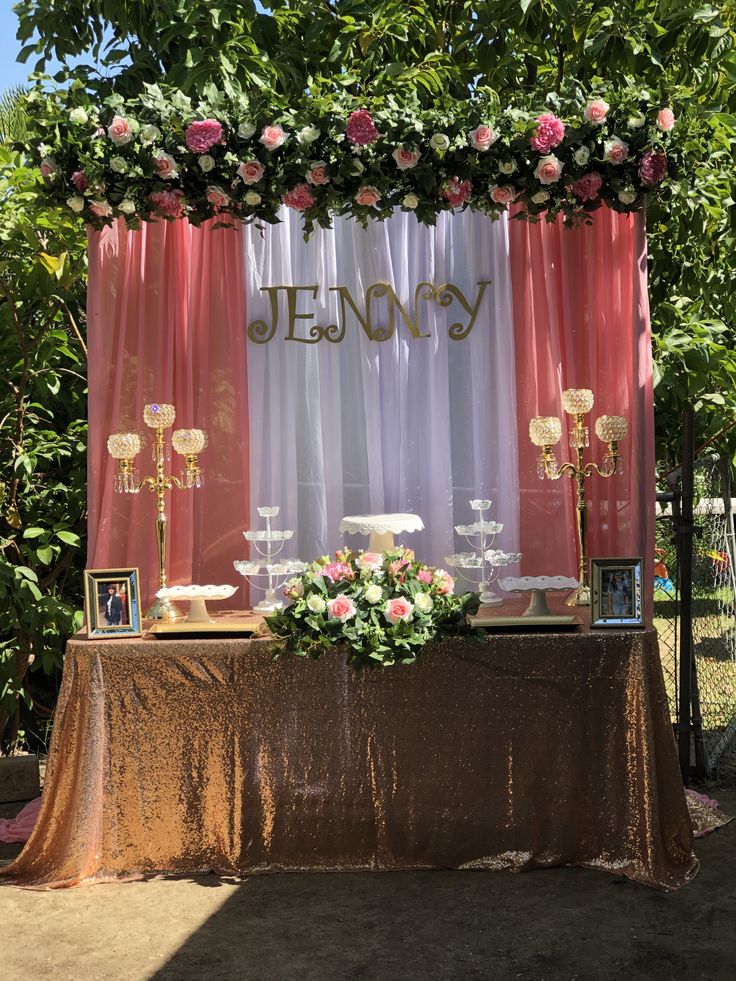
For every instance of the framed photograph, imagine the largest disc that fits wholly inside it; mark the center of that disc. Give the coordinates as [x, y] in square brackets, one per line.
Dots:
[112, 602]
[616, 592]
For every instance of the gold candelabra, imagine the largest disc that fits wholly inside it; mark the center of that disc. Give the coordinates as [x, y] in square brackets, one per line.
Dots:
[545, 432]
[189, 443]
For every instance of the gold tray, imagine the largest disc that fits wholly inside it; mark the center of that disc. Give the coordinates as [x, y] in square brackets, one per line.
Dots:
[554, 622]
[243, 627]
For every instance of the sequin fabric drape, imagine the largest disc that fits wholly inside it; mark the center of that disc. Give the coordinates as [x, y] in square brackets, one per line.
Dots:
[526, 751]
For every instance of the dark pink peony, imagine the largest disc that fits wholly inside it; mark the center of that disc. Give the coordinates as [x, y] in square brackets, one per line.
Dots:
[653, 167]
[361, 130]
[299, 198]
[168, 203]
[587, 187]
[457, 192]
[550, 133]
[79, 180]
[203, 134]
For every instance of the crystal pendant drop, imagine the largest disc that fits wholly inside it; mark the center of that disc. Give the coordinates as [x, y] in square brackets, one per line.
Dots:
[540, 468]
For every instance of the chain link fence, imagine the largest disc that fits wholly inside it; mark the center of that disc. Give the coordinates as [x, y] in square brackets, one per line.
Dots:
[714, 613]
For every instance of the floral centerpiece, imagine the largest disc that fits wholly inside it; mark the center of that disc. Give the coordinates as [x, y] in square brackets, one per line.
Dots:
[383, 606]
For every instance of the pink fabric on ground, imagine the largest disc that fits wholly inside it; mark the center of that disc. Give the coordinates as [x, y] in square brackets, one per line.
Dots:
[18, 829]
[166, 323]
[581, 320]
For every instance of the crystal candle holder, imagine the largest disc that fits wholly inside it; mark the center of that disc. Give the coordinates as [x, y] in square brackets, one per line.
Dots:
[545, 430]
[159, 415]
[189, 442]
[577, 401]
[124, 446]
[611, 429]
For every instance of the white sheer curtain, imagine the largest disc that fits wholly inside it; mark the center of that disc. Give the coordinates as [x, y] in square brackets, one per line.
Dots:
[417, 424]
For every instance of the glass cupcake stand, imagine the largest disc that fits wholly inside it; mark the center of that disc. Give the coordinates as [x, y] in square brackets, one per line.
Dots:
[479, 568]
[268, 543]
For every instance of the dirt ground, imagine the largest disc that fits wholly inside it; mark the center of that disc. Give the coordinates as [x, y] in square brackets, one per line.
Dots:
[406, 926]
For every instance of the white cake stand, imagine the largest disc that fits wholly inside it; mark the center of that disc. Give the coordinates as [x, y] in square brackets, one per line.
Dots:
[381, 528]
[538, 587]
[197, 596]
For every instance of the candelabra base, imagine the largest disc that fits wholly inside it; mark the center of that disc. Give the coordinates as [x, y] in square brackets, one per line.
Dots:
[579, 596]
[164, 609]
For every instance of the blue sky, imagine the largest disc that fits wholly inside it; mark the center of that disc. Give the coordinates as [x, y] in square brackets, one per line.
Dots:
[11, 73]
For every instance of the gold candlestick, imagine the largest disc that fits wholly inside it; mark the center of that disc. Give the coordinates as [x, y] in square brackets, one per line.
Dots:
[545, 432]
[124, 447]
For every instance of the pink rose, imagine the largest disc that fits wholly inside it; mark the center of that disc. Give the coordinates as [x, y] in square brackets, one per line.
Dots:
[424, 575]
[317, 174]
[504, 194]
[119, 131]
[482, 138]
[341, 608]
[336, 571]
[457, 192]
[587, 187]
[397, 609]
[666, 120]
[79, 180]
[166, 166]
[396, 567]
[549, 170]
[217, 197]
[360, 129]
[202, 134]
[272, 137]
[445, 582]
[48, 168]
[251, 171]
[368, 195]
[299, 198]
[615, 151]
[406, 159]
[596, 111]
[652, 168]
[168, 203]
[550, 132]
[100, 208]
[369, 560]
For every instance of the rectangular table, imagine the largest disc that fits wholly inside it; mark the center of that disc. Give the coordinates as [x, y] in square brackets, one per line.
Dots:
[529, 750]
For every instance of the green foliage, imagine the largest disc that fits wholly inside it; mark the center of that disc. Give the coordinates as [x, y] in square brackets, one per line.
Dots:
[42, 433]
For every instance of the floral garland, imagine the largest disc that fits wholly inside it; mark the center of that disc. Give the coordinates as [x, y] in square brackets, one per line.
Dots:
[162, 156]
[383, 606]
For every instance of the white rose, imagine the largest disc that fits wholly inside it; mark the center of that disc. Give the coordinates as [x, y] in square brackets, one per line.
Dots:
[253, 198]
[119, 165]
[636, 120]
[206, 163]
[76, 203]
[78, 116]
[127, 206]
[150, 133]
[246, 130]
[410, 201]
[507, 167]
[439, 141]
[357, 166]
[308, 134]
[423, 602]
[582, 156]
[627, 197]
[316, 604]
[373, 594]
[540, 197]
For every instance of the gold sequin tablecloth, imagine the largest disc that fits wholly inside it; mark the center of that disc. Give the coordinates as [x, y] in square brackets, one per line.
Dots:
[527, 751]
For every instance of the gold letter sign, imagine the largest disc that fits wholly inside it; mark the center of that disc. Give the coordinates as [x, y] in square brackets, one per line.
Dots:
[377, 314]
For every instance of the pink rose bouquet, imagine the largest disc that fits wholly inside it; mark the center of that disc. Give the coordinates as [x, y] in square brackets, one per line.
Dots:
[615, 151]
[406, 159]
[368, 196]
[502, 194]
[101, 209]
[272, 137]
[251, 171]
[217, 197]
[203, 134]
[166, 166]
[382, 607]
[79, 180]
[119, 131]
[596, 111]
[482, 138]
[666, 120]
[317, 174]
[549, 170]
